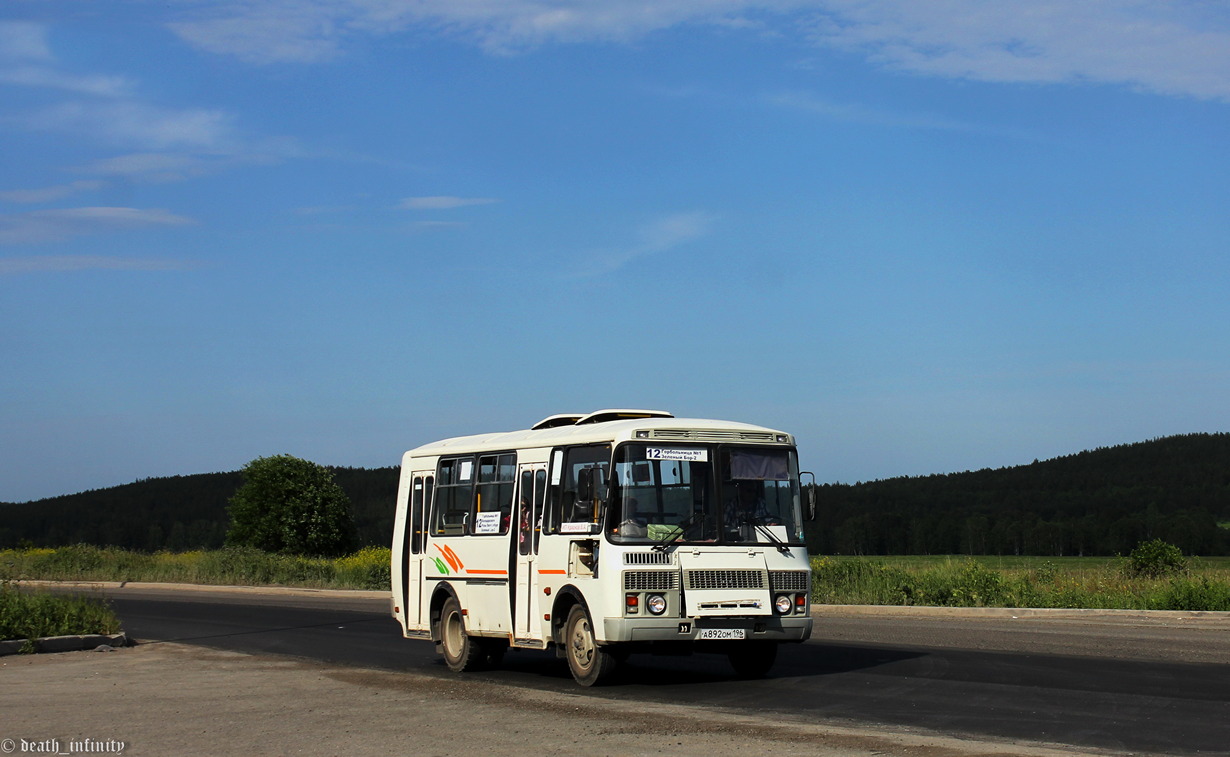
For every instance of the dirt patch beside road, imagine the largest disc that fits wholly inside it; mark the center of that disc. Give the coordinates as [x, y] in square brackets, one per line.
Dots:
[170, 699]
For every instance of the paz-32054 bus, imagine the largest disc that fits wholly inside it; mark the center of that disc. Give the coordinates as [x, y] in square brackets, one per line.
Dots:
[601, 535]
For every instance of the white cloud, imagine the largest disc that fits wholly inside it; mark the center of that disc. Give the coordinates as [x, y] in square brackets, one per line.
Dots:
[671, 231]
[266, 31]
[660, 236]
[103, 107]
[49, 194]
[1172, 48]
[22, 40]
[1167, 48]
[155, 167]
[49, 78]
[852, 113]
[271, 31]
[42, 226]
[443, 202]
[26, 60]
[70, 263]
[134, 123]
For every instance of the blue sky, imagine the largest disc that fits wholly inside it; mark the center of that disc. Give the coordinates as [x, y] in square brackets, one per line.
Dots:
[923, 237]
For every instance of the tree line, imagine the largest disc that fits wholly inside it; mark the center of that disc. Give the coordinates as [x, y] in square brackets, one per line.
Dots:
[178, 513]
[1099, 502]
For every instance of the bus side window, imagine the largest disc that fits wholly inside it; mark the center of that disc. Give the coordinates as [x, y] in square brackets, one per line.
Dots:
[577, 505]
[493, 505]
[526, 513]
[551, 515]
[454, 493]
[540, 493]
[429, 487]
[414, 523]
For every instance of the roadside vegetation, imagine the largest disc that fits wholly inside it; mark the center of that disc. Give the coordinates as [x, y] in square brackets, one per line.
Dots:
[34, 614]
[232, 566]
[1155, 576]
[291, 524]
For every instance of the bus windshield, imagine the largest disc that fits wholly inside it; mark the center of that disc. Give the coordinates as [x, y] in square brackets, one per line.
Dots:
[704, 493]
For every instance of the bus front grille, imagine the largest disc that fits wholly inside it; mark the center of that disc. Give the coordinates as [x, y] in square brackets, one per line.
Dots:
[726, 579]
[651, 580]
[789, 580]
[646, 558]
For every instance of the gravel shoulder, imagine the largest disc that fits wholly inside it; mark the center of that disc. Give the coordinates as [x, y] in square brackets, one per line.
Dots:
[171, 699]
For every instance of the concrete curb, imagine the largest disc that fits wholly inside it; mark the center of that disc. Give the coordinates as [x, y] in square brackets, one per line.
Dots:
[53, 644]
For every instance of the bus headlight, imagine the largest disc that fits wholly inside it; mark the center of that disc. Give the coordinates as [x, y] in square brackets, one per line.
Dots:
[656, 604]
[784, 604]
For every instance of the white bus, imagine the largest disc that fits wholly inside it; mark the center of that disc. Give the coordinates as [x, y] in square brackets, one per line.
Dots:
[601, 535]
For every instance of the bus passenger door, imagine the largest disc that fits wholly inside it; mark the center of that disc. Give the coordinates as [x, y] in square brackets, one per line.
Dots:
[415, 545]
[531, 491]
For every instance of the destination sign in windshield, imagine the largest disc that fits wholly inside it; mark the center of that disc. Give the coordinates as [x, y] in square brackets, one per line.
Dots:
[684, 455]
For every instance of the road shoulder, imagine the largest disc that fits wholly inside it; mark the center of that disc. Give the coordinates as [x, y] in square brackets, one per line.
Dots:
[175, 699]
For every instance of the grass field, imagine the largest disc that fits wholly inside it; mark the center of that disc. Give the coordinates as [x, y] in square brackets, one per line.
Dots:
[990, 581]
[1212, 565]
[1005, 581]
[366, 569]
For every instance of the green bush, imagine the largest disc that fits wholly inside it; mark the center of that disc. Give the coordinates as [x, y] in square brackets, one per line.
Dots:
[291, 506]
[968, 585]
[367, 569]
[1155, 559]
[1193, 594]
[80, 562]
[859, 581]
[33, 615]
[1047, 572]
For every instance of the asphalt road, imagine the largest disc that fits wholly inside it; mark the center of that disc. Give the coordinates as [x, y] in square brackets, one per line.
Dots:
[1121, 687]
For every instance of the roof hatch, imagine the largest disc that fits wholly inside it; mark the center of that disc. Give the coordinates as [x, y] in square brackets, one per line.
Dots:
[603, 416]
[599, 416]
[554, 421]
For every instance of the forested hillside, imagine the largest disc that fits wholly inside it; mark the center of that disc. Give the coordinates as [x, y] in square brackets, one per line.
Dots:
[1101, 502]
[177, 513]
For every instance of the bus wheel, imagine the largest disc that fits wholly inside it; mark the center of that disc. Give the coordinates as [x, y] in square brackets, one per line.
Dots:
[461, 653]
[590, 663]
[753, 659]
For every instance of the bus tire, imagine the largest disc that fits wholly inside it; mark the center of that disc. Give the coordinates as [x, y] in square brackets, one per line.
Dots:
[461, 652]
[753, 659]
[591, 664]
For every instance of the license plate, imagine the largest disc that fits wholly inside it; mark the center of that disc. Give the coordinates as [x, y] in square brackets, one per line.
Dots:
[722, 633]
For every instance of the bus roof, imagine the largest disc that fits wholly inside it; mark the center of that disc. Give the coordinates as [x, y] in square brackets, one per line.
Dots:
[658, 427]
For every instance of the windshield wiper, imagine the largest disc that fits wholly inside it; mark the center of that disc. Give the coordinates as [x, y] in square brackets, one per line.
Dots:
[781, 545]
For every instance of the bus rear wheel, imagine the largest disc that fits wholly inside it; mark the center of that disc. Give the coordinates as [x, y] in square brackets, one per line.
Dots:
[591, 664]
[461, 652]
[753, 659]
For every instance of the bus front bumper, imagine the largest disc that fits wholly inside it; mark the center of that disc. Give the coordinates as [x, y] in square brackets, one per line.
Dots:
[766, 628]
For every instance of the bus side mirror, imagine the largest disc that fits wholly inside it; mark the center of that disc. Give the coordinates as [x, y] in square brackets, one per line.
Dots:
[585, 485]
[810, 496]
[589, 482]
